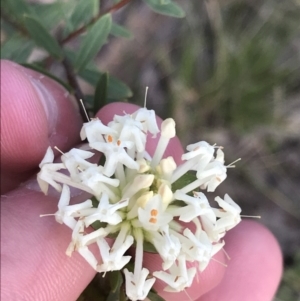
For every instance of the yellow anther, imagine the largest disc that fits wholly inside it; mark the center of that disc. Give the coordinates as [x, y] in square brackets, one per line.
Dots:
[109, 138]
[152, 220]
[154, 212]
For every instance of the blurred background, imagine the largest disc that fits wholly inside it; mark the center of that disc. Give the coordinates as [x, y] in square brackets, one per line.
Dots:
[229, 74]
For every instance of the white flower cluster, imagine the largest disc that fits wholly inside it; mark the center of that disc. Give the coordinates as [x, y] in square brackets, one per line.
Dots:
[137, 202]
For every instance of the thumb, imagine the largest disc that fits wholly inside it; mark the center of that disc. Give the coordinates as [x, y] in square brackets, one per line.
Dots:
[35, 112]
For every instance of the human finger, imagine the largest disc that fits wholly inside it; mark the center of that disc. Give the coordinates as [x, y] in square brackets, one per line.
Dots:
[255, 268]
[35, 112]
[33, 257]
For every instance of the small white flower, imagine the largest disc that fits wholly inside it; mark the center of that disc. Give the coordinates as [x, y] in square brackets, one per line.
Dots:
[115, 152]
[77, 234]
[130, 130]
[88, 256]
[229, 217]
[153, 217]
[201, 150]
[48, 168]
[179, 277]
[214, 234]
[168, 246]
[94, 178]
[94, 131]
[106, 212]
[148, 120]
[66, 213]
[137, 288]
[75, 162]
[196, 206]
[199, 247]
[214, 174]
[113, 258]
[64, 201]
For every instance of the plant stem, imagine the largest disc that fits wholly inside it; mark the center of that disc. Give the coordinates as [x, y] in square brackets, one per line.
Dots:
[13, 23]
[82, 29]
[71, 76]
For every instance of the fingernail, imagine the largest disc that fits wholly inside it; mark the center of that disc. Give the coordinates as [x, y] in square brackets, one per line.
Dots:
[45, 96]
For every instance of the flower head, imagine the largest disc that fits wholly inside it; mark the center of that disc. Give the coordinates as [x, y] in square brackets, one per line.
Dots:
[134, 200]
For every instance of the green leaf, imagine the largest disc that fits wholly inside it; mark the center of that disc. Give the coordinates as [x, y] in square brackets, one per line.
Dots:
[84, 11]
[95, 38]
[47, 73]
[166, 8]
[95, 202]
[120, 31]
[17, 8]
[17, 49]
[100, 98]
[51, 14]
[117, 90]
[186, 179]
[153, 296]
[115, 280]
[42, 37]
[149, 247]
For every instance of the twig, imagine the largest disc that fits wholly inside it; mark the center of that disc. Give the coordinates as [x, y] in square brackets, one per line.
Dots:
[13, 23]
[82, 29]
[71, 76]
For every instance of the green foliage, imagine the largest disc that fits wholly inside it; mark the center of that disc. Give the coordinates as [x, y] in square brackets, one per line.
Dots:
[42, 37]
[289, 288]
[235, 62]
[28, 25]
[167, 8]
[17, 48]
[100, 98]
[116, 89]
[153, 296]
[52, 14]
[16, 8]
[187, 178]
[95, 38]
[120, 31]
[83, 12]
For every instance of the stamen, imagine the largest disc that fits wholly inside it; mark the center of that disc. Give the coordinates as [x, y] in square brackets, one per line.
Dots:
[109, 139]
[152, 220]
[221, 263]
[226, 254]
[251, 216]
[59, 150]
[145, 100]
[231, 164]
[50, 214]
[188, 295]
[118, 142]
[86, 114]
[154, 212]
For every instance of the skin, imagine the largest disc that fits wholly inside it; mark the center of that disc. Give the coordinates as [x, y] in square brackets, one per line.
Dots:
[33, 261]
